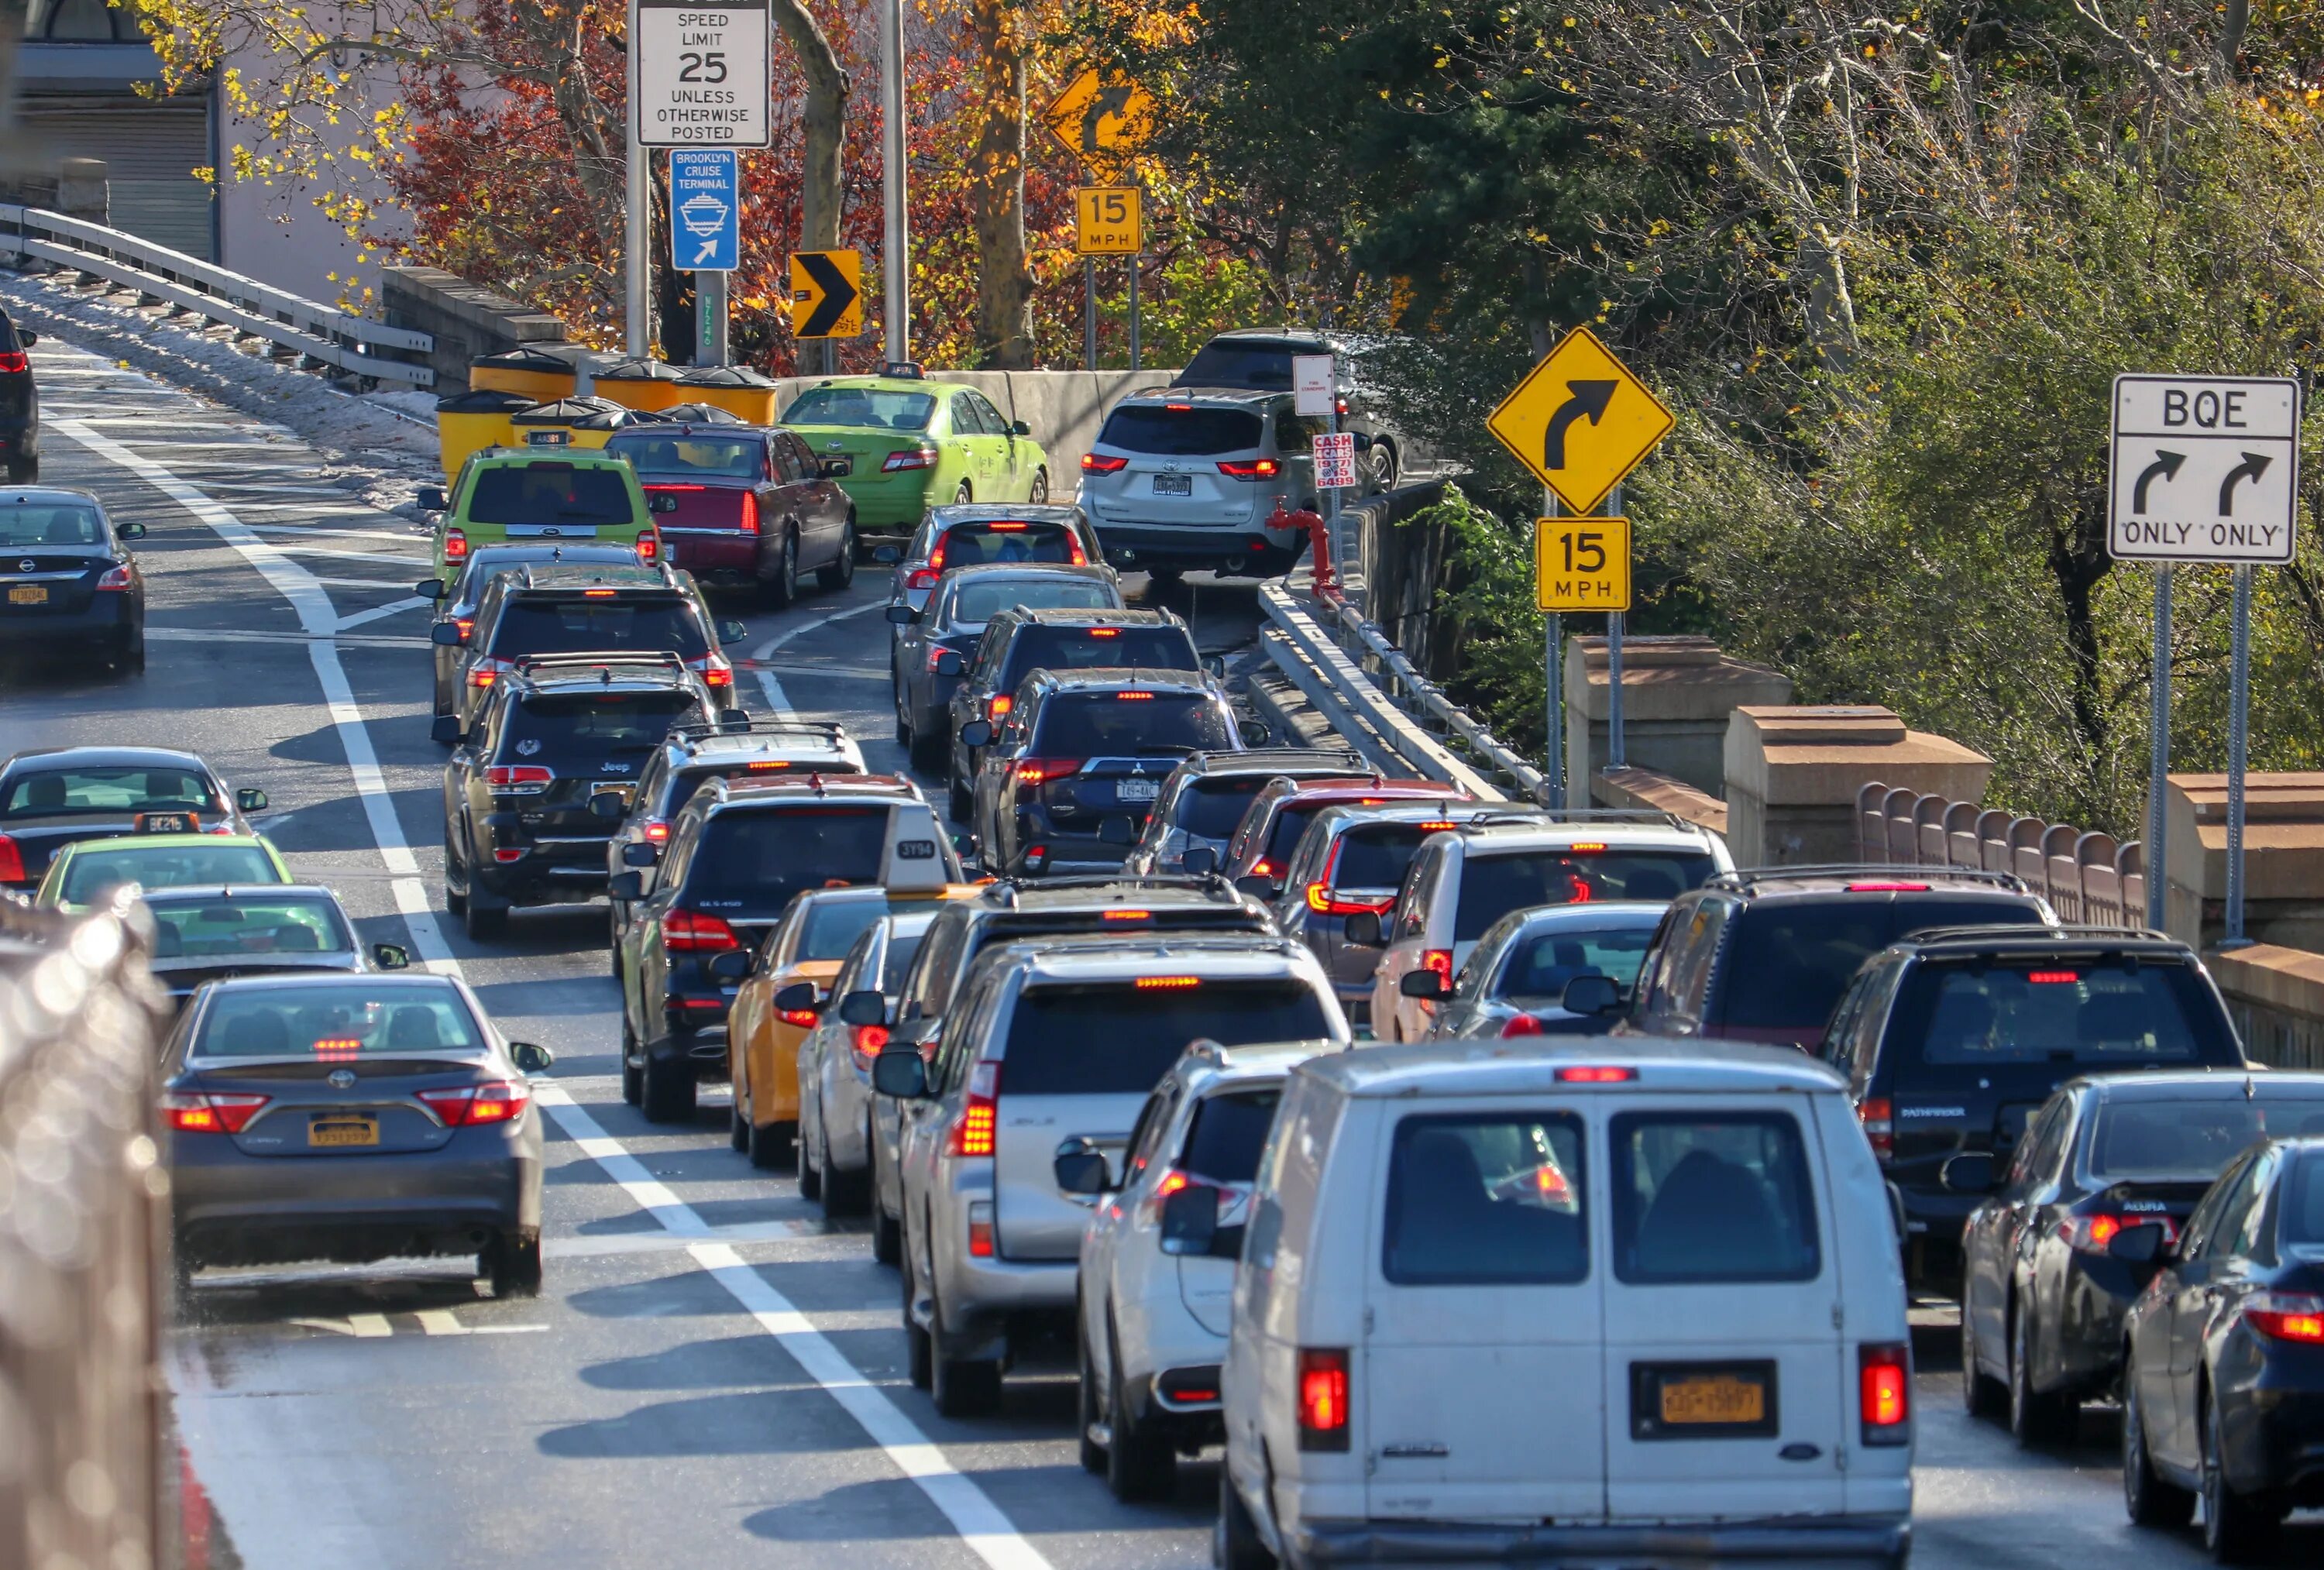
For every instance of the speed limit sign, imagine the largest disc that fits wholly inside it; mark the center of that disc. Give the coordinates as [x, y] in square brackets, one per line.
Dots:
[1108, 220]
[1582, 564]
[701, 73]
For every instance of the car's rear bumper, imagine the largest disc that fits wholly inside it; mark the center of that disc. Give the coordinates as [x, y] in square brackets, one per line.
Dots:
[110, 616]
[1882, 1541]
[1245, 547]
[713, 554]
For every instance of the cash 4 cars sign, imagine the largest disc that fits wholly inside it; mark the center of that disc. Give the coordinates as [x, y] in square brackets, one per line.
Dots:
[701, 73]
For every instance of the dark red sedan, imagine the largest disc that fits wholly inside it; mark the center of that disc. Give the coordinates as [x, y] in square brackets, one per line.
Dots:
[742, 505]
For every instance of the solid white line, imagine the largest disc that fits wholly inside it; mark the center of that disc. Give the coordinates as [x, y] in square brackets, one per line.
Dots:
[370, 1324]
[237, 635]
[772, 688]
[393, 608]
[352, 555]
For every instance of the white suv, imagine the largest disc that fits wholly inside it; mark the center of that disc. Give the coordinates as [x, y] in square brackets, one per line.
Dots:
[1186, 478]
[1602, 1302]
[1153, 1310]
[1461, 882]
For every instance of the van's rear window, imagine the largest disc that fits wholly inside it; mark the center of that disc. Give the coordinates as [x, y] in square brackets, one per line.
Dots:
[1790, 959]
[1119, 1039]
[1491, 887]
[1713, 1197]
[1487, 1201]
[552, 493]
[1228, 1133]
[1951, 1019]
[1180, 433]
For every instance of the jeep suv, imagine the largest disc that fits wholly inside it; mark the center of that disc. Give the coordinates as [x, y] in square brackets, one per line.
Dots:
[1184, 478]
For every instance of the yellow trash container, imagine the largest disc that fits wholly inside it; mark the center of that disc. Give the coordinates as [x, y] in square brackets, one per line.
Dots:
[469, 422]
[591, 430]
[699, 414]
[535, 372]
[640, 384]
[558, 423]
[736, 389]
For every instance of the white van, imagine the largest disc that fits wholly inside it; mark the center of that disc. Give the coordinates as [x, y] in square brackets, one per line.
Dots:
[1607, 1300]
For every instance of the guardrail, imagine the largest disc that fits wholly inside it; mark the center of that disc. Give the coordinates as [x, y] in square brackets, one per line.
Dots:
[2088, 877]
[320, 333]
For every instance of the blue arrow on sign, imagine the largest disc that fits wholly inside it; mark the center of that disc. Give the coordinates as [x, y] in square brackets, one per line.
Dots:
[706, 209]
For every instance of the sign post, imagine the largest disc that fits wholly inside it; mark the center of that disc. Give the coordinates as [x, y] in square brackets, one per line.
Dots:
[705, 236]
[1314, 395]
[2202, 469]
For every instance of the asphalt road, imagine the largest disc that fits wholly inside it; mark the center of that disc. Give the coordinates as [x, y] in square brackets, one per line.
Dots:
[711, 1376]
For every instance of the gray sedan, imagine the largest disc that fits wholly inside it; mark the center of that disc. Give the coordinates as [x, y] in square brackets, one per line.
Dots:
[351, 1119]
[1514, 984]
[964, 601]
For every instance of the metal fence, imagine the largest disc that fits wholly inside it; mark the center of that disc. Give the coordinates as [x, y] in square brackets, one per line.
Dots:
[2088, 877]
[80, 1244]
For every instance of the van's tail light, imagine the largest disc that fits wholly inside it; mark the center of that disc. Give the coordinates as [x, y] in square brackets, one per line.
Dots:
[470, 1106]
[1322, 1398]
[1033, 771]
[904, 458]
[686, 931]
[484, 670]
[1439, 960]
[649, 545]
[715, 669]
[455, 545]
[2287, 1316]
[1884, 1386]
[191, 1112]
[519, 779]
[980, 1229]
[1103, 463]
[115, 578]
[1249, 468]
[870, 1042]
[976, 1130]
[1878, 1117]
[749, 512]
[12, 861]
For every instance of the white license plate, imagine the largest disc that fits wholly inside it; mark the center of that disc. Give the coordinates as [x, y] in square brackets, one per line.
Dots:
[1174, 484]
[1136, 790]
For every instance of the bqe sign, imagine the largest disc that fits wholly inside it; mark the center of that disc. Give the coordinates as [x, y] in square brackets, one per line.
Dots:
[702, 74]
[2203, 468]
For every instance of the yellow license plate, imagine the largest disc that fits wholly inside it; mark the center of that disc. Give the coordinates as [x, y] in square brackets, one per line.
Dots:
[1713, 1399]
[324, 1132]
[28, 594]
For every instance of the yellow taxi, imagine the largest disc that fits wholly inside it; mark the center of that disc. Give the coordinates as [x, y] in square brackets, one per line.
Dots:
[782, 997]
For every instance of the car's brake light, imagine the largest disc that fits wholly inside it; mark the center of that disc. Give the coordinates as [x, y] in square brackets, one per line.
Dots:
[1595, 1074]
[2091, 1233]
[656, 831]
[1125, 915]
[484, 670]
[937, 651]
[715, 669]
[1168, 983]
[749, 512]
[908, 458]
[519, 779]
[1322, 1398]
[114, 578]
[1033, 771]
[1133, 697]
[465, 624]
[804, 1018]
[12, 861]
[1249, 468]
[1004, 527]
[597, 593]
[1888, 887]
[1521, 1025]
[1878, 1117]
[685, 931]
[191, 1112]
[1586, 847]
[1079, 558]
[455, 545]
[2287, 1316]
[871, 1040]
[469, 1105]
[1109, 463]
[1323, 902]
[980, 1229]
[922, 578]
[973, 1132]
[997, 709]
[1439, 960]
[1105, 632]
[1885, 1391]
[14, 360]
[649, 545]
[2053, 977]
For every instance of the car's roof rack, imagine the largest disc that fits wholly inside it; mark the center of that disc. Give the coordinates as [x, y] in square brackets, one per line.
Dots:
[1009, 888]
[1888, 872]
[1550, 817]
[758, 725]
[2021, 932]
[656, 659]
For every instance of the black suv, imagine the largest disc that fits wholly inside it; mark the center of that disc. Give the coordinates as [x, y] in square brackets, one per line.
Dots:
[1017, 642]
[554, 730]
[1070, 776]
[1762, 955]
[458, 605]
[1952, 1037]
[1203, 801]
[20, 404]
[635, 612]
[1260, 359]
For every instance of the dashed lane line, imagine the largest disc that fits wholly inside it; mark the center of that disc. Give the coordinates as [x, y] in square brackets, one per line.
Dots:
[773, 689]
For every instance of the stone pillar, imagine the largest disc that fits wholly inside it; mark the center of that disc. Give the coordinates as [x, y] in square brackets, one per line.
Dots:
[2283, 860]
[82, 190]
[1676, 695]
[1793, 775]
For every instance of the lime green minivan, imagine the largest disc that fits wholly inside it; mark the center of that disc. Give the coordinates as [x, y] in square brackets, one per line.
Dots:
[571, 495]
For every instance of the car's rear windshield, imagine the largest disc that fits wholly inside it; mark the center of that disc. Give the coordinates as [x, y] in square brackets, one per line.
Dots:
[1183, 432]
[1228, 1133]
[1789, 960]
[626, 623]
[334, 1019]
[1539, 965]
[978, 543]
[90, 873]
[725, 457]
[48, 523]
[1211, 806]
[1141, 723]
[2303, 1200]
[831, 926]
[1953, 1021]
[1370, 855]
[1713, 1197]
[107, 792]
[1492, 886]
[862, 406]
[976, 603]
[1263, 364]
[552, 493]
[756, 860]
[555, 727]
[286, 925]
[1080, 648]
[1491, 1200]
[2192, 1141]
[1120, 1037]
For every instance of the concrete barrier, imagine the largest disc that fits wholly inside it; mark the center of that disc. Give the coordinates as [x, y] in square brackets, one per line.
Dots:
[1677, 694]
[1794, 776]
[467, 320]
[2276, 996]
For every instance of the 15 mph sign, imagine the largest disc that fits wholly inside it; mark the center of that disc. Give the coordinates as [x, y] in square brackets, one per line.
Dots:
[702, 73]
[2204, 469]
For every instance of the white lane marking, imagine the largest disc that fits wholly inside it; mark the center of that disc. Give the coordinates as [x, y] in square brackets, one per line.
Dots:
[352, 555]
[393, 608]
[652, 1195]
[440, 1322]
[240, 635]
[369, 1325]
[743, 1233]
[772, 688]
[364, 583]
[330, 530]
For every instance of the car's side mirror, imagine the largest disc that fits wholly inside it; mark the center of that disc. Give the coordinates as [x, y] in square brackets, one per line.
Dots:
[1018, 427]
[732, 631]
[447, 729]
[430, 588]
[863, 1007]
[639, 853]
[390, 956]
[835, 468]
[626, 886]
[976, 733]
[1362, 929]
[1257, 884]
[1190, 1219]
[798, 997]
[734, 717]
[1214, 665]
[730, 965]
[1424, 984]
[609, 805]
[1201, 862]
[1257, 732]
[129, 531]
[1968, 1175]
[2139, 1244]
[250, 800]
[888, 556]
[532, 1056]
[432, 498]
[901, 1074]
[1591, 994]
[1080, 1168]
[1117, 830]
[950, 662]
[26, 340]
[901, 614]
[445, 634]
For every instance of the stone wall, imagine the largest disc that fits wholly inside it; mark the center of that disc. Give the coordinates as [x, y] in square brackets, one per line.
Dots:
[467, 319]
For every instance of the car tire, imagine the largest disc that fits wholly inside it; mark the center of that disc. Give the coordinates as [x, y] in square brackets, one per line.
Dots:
[1140, 1465]
[23, 471]
[773, 1145]
[810, 1175]
[1165, 577]
[2237, 1528]
[455, 895]
[919, 1361]
[1039, 494]
[1093, 1454]
[2035, 1419]
[667, 1092]
[2146, 1498]
[633, 1079]
[961, 1387]
[1381, 466]
[484, 922]
[887, 1232]
[842, 570]
[783, 587]
[1235, 1542]
[514, 1262]
[1982, 1395]
[738, 1125]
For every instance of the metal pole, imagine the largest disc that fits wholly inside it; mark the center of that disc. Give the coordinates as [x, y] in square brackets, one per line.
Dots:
[1614, 756]
[1136, 358]
[637, 236]
[2158, 767]
[1089, 313]
[710, 310]
[1554, 773]
[2239, 737]
[896, 246]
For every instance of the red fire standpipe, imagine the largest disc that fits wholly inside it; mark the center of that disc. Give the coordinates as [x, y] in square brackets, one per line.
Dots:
[1319, 545]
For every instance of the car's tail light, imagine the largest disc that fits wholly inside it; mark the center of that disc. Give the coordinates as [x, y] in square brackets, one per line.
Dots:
[2287, 1316]
[2053, 977]
[1878, 1117]
[980, 1229]
[1249, 468]
[977, 1128]
[1439, 960]
[1884, 1387]
[1168, 982]
[1102, 463]
[470, 1106]
[465, 624]
[1521, 1025]
[14, 360]
[484, 670]
[686, 931]
[1323, 902]
[1322, 1398]
[599, 593]
[508, 854]
[1079, 558]
[749, 512]
[870, 1042]
[715, 669]
[519, 779]
[1596, 1074]
[455, 545]
[649, 545]
[12, 861]
[804, 1018]
[191, 1112]
[1008, 527]
[114, 577]
[1033, 771]
[908, 458]
[922, 578]
[656, 831]
[997, 707]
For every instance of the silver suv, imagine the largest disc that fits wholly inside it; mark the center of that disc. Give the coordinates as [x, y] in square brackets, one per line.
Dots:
[1054, 1041]
[1184, 478]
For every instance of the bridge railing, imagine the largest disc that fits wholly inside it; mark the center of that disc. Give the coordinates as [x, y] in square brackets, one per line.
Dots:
[2089, 877]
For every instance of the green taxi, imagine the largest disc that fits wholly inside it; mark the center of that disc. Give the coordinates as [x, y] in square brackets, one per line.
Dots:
[86, 871]
[574, 496]
[916, 444]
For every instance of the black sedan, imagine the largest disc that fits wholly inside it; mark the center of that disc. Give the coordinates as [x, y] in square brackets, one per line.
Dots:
[953, 620]
[2042, 1300]
[486, 562]
[274, 929]
[2224, 1394]
[67, 582]
[52, 796]
[20, 404]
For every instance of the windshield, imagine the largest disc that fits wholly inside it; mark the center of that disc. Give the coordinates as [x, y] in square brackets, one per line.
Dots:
[108, 793]
[973, 604]
[1491, 887]
[834, 925]
[1129, 725]
[2191, 1140]
[1262, 364]
[1082, 648]
[1978, 1018]
[1228, 1135]
[335, 1020]
[49, 524]
[728, 458]
[291, 924]
[1539, 965]
[1183, 432]
[552, 493]
[644, 624]
[866, 407]
[1479, 1200]
[757, 860]
[1791, 958]
[976, 545]
[1118, 1038]
[559, 725]
[90, 873]
[1212, 807]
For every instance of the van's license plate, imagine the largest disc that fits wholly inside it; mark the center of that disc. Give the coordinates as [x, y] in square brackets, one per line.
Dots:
[1701, 1401]
[338, 1129]
[1174, 484]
